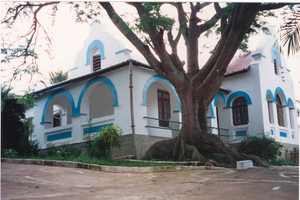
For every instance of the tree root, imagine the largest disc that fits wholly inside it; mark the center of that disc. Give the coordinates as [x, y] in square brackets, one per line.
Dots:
[209, 149]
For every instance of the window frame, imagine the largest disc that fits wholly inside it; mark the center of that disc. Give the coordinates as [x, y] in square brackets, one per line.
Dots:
[164, 102]
[240, 115]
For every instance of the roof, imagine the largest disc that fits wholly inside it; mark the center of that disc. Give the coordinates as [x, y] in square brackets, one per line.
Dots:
[81, 78]
[239, 64]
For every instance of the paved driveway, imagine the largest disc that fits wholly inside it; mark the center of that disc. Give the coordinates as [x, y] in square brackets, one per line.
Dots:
[20, 181]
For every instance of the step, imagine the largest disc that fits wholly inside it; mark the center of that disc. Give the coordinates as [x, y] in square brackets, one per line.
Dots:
[245, 164]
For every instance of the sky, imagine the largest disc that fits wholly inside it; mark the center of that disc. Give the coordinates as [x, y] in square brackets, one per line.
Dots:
[68, 37]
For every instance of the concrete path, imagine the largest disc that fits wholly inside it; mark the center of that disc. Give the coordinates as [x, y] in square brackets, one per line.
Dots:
[21, 181]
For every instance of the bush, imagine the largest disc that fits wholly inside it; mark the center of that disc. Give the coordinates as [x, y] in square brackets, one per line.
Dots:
[266, 148]
[106, 138]
[9, 153]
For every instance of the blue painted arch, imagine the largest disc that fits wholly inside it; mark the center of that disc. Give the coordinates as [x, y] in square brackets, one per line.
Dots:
[60, 91]
[275, 49]
[236, 94]
[290, 102]
[151, 80]
[278, 89]
[95, 43]
[267, 94]
[219, 95]
[91, 82]
[211, 111]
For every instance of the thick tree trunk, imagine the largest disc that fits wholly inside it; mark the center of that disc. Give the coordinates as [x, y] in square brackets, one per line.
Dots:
[193, 143]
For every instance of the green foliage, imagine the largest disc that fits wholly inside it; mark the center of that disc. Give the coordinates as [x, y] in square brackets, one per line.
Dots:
[106, 138]
[264, 147]
[62, 152]
[57, 77]
[9, 153]
[234, 149]
[88, 136]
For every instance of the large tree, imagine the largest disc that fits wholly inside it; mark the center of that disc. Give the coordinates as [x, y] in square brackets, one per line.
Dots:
[195, 86]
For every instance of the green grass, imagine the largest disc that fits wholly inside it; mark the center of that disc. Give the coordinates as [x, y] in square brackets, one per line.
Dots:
[109, 162]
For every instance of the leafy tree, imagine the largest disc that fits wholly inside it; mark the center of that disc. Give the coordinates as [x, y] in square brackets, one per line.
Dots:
[15, 129]
[155, 36]
[57, 77]
[291, 30]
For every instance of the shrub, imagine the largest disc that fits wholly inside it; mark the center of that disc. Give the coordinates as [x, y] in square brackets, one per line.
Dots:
[9, 153]
[106, 138]
[264, 147]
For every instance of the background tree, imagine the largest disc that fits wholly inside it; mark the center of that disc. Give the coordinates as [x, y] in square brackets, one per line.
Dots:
[155, 36]
[57, 77]
[290, 30]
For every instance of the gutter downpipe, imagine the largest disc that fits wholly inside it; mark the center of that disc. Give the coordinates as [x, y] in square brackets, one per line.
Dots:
[131, 109]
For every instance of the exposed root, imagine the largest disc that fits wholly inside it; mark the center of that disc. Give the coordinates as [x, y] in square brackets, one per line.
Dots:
[208, 148]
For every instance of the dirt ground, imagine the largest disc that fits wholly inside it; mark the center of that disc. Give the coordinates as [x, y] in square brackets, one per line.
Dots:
[20, 181]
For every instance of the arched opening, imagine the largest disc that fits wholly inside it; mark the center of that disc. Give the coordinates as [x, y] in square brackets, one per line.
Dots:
[276, 64]
[162, 108]
[291, 113]
[96, 58]
[270, 108]
[58, 112]
[240, 111]
[280, 113]
[101, 101]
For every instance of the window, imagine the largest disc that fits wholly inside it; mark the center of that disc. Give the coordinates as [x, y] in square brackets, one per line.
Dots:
[240, 111]
[276, 68]
[279, 111]
[56, 118]
[96, 62]
[270, 110]
[163, 108]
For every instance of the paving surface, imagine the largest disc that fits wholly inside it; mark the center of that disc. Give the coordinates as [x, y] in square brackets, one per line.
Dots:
[21, 181]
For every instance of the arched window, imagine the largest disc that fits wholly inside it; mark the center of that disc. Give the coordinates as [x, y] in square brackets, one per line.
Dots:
[96, 62]
[276, 68]
[280, 115]
[240, 111]
[291, 108]
[56, 116]
[270, 108]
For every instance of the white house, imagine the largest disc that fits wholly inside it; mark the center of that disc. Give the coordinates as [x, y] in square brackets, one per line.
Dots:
[109, 86]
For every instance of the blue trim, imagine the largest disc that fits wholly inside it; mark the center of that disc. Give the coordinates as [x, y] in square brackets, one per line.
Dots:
[211, 111]
[63, 114]
[123, 51]
[175, 111]
[278, 89]
[275, 49]
[288, 103]
[73, 68]
[293, 137]
[78, 114]
[91, 82]
[219, 95]
[272, 132]
[45, 122]
[151, 80]
[236, 94]
[283, 134]
[59, 136]
[258, 54]
[96, 128]
[57, 92]
[95, 43]
[288, 70]
[241, 133]
[267, 93]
